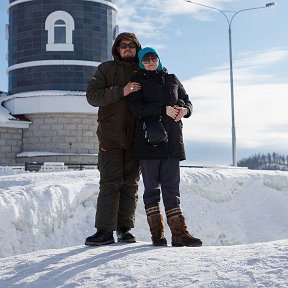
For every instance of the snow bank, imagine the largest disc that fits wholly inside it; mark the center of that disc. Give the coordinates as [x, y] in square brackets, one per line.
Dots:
[222, 206]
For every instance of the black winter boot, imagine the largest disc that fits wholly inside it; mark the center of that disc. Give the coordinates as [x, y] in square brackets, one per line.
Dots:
[155, 221]
[124, 235]
[178, 227]
[101, 237]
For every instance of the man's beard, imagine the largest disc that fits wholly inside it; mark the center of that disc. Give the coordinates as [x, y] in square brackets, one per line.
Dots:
[128, 59]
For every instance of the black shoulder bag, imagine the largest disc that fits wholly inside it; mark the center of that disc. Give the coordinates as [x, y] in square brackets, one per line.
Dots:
[155, 131]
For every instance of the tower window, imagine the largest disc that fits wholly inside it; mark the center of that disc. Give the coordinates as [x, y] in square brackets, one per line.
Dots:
[60, 26]
[60, 32]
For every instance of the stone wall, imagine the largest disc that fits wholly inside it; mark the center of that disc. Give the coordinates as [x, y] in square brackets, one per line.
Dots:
[10, 144]
[61, 133]
[70, 134]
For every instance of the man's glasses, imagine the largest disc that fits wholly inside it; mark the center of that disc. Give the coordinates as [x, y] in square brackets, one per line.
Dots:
[125, 45]
[147, 59]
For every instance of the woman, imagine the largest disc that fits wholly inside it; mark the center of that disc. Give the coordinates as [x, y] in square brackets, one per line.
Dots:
[161, 98]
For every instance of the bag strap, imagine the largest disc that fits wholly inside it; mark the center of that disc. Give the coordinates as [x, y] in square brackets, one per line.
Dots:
[163, 90]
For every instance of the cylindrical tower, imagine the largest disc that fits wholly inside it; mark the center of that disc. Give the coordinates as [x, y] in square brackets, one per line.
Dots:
[54, 47]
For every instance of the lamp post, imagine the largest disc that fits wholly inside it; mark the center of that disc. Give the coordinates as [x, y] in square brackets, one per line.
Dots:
[229, 21]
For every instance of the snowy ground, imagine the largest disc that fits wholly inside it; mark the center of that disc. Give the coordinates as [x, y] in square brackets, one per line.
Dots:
[142, 265]
[239, 214]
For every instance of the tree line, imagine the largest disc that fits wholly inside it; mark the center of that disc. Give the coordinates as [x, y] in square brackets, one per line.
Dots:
[269, 161]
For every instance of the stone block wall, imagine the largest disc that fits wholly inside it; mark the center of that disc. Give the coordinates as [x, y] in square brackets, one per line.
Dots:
[72, 134]
[10, 144]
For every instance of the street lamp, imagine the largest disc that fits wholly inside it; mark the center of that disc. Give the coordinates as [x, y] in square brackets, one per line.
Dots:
[229, 21]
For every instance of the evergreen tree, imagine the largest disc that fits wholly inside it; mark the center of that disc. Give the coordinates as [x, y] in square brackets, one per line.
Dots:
[268, 161]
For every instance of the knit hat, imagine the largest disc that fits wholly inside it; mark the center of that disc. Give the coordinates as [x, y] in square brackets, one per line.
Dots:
[143, 52]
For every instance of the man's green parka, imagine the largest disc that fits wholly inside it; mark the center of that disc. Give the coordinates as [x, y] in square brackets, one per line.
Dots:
[115, 121]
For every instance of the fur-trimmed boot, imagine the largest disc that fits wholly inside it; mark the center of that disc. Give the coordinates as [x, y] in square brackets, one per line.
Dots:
[178, 227]
[156, 224]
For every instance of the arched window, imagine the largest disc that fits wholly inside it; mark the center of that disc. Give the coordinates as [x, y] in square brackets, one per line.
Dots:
[60, 32]
[60, 26]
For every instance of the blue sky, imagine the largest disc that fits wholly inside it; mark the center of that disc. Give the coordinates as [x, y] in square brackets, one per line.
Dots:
[193, 44]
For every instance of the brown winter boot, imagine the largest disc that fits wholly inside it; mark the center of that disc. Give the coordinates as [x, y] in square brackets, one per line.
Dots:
[156, 224]
[180, 234]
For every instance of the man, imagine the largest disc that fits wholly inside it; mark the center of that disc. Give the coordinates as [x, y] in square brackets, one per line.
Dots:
[119, 172]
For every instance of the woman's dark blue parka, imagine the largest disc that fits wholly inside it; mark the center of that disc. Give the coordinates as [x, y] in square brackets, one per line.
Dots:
[158, 90]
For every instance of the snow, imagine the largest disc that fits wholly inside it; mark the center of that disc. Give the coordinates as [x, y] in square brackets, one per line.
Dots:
[5, 115]
[240, 215]
[38, 93]
[44, 153]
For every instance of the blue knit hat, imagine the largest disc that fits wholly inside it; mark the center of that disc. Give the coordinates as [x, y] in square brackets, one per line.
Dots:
[146, 50]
